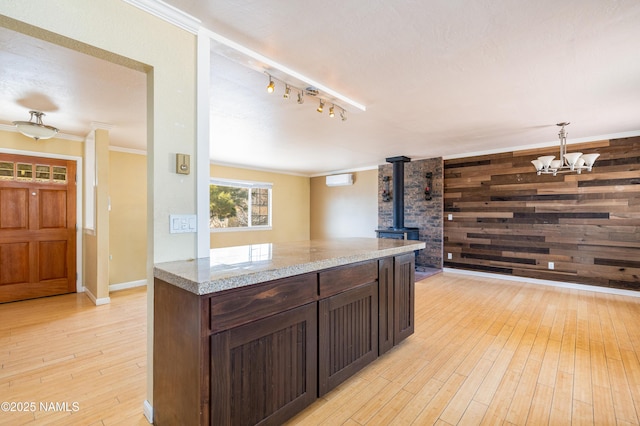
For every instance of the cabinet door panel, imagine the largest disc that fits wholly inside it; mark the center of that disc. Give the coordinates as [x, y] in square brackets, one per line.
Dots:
[266, 371]
[348, 334]
[385, 299]
[404, 298]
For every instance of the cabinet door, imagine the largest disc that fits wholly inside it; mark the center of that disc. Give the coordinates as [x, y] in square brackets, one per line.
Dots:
[385, 305]
[348, 334]
[266, 371]
[404, 298]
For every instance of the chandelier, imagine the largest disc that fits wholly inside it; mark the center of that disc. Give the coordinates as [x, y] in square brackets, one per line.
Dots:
[568, 162]
[35, 129]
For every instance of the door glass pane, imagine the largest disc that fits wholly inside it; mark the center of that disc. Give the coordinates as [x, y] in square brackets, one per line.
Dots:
[59, 174]
[43, 173]
[6, 170]
[25, 171]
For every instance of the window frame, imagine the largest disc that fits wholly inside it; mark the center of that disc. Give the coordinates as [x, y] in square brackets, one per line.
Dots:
[237, 183]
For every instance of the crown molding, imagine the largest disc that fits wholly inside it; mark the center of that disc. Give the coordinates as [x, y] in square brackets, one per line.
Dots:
[168, 13]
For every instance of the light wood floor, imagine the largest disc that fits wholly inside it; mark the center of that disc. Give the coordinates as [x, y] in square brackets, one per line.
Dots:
[66, 350]
[484, 352]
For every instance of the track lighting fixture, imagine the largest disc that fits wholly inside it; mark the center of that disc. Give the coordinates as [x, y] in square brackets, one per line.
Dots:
[309, 91]
[272, 86]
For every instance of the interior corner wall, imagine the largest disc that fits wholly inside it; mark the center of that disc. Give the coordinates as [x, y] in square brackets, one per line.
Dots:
[426, 215]
[509, 220]
[290, 208]
[127, 217]
[344, 211]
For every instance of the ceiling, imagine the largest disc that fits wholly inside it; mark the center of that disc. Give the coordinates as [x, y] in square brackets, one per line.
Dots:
[438, 78]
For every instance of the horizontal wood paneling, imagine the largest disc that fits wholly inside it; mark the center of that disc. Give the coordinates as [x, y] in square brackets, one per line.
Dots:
[509, 220]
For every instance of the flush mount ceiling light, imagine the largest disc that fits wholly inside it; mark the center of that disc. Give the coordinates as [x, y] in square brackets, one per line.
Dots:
[568, 162]
[35, 129]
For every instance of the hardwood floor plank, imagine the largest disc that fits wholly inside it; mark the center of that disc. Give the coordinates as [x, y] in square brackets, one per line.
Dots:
[582, 378]
[561, 407]
[622, 400]
[502, 399]
[603, 410]
[540, 405]
[463, 397]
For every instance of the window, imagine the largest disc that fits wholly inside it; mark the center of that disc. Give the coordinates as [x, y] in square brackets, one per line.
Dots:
[235, 205]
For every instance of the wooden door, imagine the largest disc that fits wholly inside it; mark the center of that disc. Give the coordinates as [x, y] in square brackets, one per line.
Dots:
[37, 227]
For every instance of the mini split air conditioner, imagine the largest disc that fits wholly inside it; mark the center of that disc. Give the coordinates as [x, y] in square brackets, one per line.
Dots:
[340, 180]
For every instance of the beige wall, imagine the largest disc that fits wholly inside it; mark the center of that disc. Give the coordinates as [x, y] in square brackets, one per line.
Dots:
[290, 218]
[345, 211]
[19, 142]
[128, 217]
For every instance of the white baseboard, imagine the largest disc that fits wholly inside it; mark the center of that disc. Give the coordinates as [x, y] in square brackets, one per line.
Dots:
[561, 284]
[127, 285]
[95, 300]
[147, 409]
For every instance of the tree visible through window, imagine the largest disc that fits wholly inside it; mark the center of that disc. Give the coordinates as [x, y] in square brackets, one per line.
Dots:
[238, 204]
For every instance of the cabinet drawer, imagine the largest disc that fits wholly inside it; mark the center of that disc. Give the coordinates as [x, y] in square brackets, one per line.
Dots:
[347, 277]
[241, 306]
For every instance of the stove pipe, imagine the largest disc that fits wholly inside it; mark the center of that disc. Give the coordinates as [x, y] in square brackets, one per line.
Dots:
[398, 189]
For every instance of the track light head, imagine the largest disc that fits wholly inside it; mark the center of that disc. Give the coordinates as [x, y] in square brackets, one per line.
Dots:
[331, 112]
[321, 106]
[300, 97]
[287, 91]
[343, 115]
[272, 86]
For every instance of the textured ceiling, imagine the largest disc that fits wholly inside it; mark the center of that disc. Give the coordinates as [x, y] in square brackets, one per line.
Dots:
[438, 78]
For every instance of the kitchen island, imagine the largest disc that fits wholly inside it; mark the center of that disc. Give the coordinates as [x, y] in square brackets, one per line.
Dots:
[254, 334]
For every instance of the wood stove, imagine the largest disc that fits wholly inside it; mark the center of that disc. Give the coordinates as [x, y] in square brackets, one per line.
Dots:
[398, 231]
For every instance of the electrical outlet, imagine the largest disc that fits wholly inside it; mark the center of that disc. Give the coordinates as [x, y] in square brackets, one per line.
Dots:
[450, 216]
[551, 265]
[449, 256]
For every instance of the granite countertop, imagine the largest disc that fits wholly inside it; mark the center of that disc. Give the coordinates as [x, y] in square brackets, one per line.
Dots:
[240, 266]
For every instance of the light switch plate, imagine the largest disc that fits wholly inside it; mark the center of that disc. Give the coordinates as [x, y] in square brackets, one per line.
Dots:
[182, 223]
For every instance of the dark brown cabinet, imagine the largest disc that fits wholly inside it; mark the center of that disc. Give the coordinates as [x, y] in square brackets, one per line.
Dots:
[404, 297]
[385, 304]
[348, 331]
[266, 371]
[261, 353]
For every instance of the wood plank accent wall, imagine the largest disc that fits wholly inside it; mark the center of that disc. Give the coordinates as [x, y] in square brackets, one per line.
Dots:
[509, 220]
